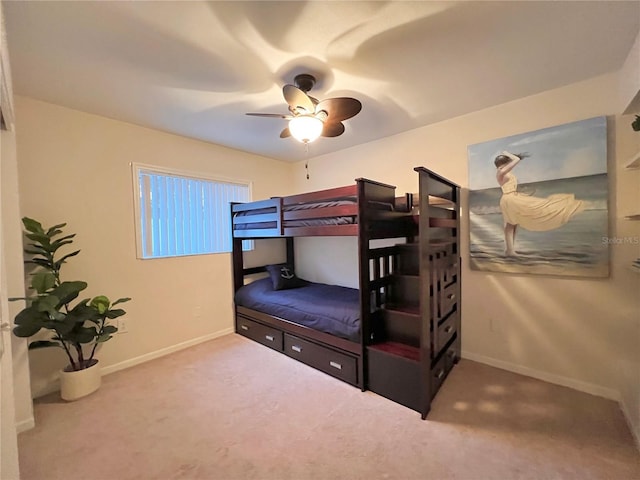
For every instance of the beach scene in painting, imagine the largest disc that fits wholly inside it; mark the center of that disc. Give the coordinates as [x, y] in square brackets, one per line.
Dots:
[562, 175]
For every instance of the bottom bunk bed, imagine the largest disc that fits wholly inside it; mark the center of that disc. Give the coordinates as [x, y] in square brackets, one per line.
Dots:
[324, 326]
[314, 323]
[327, 308]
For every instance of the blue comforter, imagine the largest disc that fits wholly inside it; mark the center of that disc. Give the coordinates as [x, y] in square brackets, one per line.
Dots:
[328, 308]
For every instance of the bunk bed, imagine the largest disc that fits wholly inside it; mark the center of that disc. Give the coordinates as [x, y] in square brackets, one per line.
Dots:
[367, 210]
[400, 330]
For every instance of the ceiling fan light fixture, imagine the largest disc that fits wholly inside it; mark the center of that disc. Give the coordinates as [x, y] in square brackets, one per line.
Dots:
[305, 128]
[310, 118]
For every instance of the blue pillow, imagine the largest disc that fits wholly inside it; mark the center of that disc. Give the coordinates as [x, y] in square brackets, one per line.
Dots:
[283, 277]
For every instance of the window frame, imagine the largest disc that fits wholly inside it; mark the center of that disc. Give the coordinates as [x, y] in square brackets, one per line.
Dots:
[137, 167]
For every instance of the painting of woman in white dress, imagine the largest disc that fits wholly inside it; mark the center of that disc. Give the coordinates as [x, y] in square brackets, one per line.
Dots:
[532, 213]
[543, 210]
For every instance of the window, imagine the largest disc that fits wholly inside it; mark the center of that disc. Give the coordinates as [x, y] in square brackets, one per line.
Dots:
[183, 214]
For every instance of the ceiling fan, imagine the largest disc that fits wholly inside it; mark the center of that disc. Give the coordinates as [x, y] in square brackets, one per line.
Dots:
[311, 118]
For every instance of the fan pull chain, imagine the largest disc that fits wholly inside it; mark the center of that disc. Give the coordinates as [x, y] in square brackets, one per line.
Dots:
[306, 162]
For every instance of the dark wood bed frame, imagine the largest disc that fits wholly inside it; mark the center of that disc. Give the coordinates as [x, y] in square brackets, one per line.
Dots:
[397, 322]
[339, 357]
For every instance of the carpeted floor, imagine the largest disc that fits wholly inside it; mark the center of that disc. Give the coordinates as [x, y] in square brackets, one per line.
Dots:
[233, 409]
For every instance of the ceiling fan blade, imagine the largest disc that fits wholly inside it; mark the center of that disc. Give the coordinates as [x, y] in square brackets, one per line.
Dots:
[332, 129]
[340, 108]
[297, 99]
[285, 133]
[273, 115]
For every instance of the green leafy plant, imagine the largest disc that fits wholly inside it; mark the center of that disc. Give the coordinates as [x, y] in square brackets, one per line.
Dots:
[636, 124]
[77, 329]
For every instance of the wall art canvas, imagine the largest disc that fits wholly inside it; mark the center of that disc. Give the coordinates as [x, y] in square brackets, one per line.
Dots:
[538, 202]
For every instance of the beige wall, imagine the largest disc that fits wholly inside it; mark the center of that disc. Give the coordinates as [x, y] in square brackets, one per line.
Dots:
[579, 333]
[75, 168]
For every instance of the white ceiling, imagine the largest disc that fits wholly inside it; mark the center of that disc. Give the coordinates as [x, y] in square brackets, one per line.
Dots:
[195, 68]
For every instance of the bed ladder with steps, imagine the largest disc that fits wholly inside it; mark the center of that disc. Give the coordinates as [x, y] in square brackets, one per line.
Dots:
[416, 340]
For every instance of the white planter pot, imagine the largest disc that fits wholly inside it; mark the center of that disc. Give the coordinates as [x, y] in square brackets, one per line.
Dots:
[80, 383]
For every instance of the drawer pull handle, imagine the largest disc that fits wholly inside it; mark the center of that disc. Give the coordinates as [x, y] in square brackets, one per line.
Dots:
[451, 296]
[296, 348]
[269, 337]
[244, 327]
[452, 354]
[336, 365]
[440, 374]
[448, 329]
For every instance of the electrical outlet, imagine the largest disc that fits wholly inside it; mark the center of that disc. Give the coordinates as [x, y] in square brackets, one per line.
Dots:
[122, 326]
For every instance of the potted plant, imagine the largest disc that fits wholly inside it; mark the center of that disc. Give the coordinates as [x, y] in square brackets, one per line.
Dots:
[77, 329]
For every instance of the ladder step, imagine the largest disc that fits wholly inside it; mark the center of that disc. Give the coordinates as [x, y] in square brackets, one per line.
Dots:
[398, 349]
[401, 324]
[404, 308]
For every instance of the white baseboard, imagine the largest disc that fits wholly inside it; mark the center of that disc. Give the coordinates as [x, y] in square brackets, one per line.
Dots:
[590, 388]
[55, 386]
[164, 351]
[24, 425]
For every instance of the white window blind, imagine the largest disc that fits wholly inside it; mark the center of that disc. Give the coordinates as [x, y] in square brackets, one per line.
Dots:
[180, 214]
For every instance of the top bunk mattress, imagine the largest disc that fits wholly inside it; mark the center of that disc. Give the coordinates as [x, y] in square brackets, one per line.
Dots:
[328, 308]
[311, 222]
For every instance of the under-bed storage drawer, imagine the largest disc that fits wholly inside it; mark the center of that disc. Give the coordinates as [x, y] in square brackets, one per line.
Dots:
[448, 299]
[260, 333]
[325, 359]
[438, 373]
[441, 369]
[446, 331]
